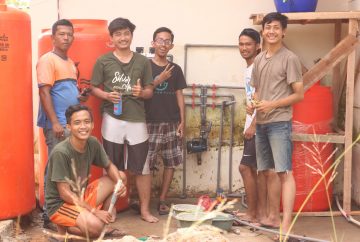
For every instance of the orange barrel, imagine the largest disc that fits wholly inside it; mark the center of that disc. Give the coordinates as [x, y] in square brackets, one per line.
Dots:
[17, 182]
[313, 115]
[91, 41]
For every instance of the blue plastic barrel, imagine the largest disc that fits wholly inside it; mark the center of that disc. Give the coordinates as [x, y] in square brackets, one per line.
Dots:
[287, 6]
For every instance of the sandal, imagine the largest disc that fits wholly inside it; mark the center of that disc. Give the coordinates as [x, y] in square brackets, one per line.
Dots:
[114, 233]
[163, 208]
[135, 205]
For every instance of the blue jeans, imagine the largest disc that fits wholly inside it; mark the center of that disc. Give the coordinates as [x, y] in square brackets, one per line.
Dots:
[274, 146]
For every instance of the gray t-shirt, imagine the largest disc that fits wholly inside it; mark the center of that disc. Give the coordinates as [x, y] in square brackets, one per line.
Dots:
[272, 78]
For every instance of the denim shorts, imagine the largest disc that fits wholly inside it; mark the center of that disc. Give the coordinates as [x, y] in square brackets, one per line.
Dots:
[274, 146]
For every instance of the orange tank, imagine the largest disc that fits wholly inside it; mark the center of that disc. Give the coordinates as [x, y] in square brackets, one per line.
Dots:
[313, 115]
[17, 183]
[91, 41]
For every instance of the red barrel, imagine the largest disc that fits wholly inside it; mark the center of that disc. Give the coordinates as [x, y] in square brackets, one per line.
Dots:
[91, 41]
[17, 182]
[313, 115]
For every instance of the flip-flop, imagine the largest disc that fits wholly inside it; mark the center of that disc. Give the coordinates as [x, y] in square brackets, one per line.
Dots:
[115, 233]
[289, 239]
[135, 206]
[163, 208]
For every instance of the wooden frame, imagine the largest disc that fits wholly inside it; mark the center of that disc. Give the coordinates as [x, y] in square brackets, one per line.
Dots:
[344, 48]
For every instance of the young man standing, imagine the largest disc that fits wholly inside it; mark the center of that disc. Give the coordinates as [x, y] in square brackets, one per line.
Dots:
[165, 112]
[73, 205]
[131, 72]
[278, 84]
[56, 76]
[254, 183]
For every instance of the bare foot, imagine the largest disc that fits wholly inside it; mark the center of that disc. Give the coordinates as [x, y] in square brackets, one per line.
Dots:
[270, 223]
[148, 217]
[246, 217]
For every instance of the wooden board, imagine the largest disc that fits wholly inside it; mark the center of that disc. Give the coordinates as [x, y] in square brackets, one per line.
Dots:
[328, 62]
[312, 17]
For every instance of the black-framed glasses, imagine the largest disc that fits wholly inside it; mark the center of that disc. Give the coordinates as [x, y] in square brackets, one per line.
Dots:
[166, 42]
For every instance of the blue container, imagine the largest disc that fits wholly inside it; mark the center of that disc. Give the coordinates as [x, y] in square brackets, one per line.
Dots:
[295, 6]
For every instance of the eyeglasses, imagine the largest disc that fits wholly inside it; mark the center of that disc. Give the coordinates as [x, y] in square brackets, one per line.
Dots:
[166, 42]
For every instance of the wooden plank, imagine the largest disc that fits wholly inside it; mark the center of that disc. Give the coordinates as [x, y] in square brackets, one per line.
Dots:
[353, 27]
[325, 138]
[338, 53]
[338, 82]
[312, 17]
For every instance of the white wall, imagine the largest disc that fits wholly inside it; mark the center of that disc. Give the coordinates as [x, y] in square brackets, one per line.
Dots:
[195, 22]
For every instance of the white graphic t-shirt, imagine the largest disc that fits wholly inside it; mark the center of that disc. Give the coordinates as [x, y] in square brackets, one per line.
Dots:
[249, 92]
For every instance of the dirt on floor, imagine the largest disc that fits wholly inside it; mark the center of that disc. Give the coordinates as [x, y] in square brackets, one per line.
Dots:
[30, 228]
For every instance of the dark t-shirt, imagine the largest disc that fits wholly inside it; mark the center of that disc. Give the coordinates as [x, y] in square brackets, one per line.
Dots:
[109, 72]
[163, 106]
[60, 168]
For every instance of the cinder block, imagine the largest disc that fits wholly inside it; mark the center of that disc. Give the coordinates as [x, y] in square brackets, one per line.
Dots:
[6, 228]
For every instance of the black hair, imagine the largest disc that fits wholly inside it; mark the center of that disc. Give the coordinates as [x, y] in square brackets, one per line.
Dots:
[76, 108]
[164, 29]
[275, 16]
[121, 23]
[252, 33]
[61, 22]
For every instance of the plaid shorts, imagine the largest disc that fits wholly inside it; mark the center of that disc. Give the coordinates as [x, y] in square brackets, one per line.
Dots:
[163, 139]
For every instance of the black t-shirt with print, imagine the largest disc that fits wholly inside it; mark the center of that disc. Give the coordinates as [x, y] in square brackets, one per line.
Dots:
[163, 106]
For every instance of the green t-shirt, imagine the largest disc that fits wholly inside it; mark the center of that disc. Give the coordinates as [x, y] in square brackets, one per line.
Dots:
[109, 72]
[60, 168]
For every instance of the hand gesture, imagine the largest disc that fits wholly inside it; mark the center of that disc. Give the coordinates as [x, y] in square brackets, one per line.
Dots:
[58, 130]
[249, 132]
[180, 130]
[103, 215]
[250, 109]
[165, 74]
[113, 97]
[122, 191]
[265, 106]
[137, 89]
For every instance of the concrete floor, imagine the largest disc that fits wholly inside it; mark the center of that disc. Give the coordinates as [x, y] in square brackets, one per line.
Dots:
[316, 227]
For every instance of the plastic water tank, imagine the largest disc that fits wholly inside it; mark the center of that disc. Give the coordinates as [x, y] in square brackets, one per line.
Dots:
[313, 115]
[17, 183]
[91, 41]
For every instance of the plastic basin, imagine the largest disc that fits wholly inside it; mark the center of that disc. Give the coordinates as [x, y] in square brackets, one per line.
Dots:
[187, 219]
[188, 208]
[223, 221]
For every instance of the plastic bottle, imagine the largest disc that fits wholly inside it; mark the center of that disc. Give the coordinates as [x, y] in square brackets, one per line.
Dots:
[118, 106]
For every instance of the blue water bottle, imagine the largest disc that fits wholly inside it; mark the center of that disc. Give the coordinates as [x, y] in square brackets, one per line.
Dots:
[118, 106]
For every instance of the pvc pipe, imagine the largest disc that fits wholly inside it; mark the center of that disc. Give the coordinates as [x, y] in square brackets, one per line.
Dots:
[211, 86]
[232, 117]
[183, 195]
[218, 177]
[232, 102]
[348, 217]
[210, 105]
[299, 237]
